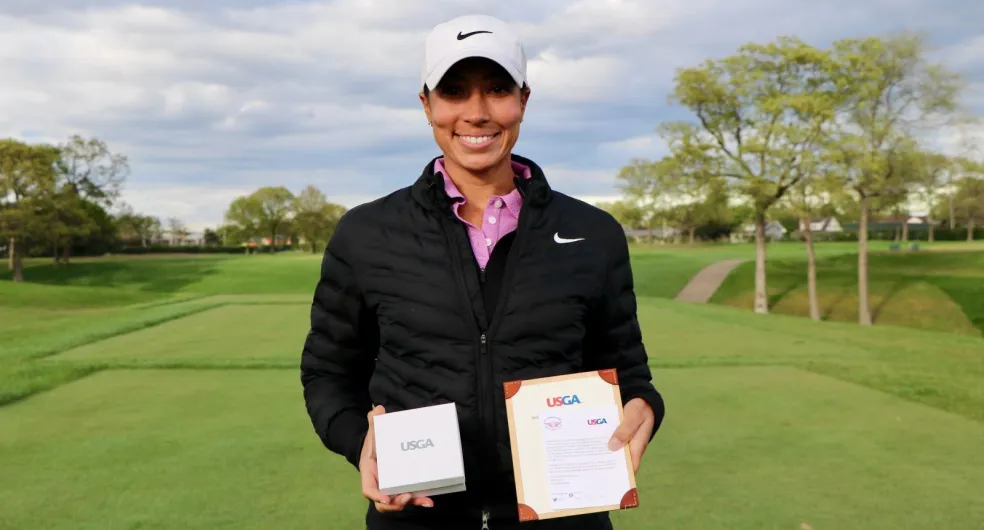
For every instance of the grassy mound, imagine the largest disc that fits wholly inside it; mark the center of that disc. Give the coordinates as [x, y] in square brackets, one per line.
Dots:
[940, 290]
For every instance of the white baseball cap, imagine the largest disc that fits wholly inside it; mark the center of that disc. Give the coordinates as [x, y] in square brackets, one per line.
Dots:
[472, 36]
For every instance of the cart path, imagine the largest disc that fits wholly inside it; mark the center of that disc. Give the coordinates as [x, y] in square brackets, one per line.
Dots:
[706, 282]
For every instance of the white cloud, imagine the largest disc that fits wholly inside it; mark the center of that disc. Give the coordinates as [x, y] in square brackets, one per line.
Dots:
[649, 146]
[558, 80]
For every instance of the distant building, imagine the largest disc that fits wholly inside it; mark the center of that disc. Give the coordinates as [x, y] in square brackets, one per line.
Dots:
[260, 241]
[826, 224]
[774, 231]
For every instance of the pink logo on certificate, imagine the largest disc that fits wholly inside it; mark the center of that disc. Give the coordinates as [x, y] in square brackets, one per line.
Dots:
[553, 423]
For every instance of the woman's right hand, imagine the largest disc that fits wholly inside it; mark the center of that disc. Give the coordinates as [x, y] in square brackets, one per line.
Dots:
[370, 475]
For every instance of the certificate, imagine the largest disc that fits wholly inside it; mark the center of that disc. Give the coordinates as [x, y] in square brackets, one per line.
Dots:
[559, 428]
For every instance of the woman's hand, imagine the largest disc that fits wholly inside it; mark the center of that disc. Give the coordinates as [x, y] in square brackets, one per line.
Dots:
[636, 429]
[370, 475]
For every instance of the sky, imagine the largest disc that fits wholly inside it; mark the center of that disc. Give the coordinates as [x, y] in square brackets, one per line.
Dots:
[212, 100]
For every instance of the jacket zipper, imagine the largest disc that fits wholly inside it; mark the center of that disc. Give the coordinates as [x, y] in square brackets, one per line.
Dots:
[484, 373]
[485, 393]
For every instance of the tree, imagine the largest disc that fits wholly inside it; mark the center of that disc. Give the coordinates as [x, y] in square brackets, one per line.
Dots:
[88, 170]
[27, 189]
[626, 212]
[647, 185]
[177, 229]
[808, 199]
[211, 237]
[137, 227]
[931, 171]
[969, 199]
[265, 211]
[315, 218]
[758, 111]
[889, 89]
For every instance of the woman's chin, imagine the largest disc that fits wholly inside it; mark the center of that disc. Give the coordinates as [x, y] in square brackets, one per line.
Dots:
[478, 162]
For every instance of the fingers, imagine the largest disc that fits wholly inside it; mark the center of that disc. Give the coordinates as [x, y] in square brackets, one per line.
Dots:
[637, 448]
[426, 502]
[630, 424]
[370, 489]
[375, 412]
[370, 442]
[401, 501]
[397, 504]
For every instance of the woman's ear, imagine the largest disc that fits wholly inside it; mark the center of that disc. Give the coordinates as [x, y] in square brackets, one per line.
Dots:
[425, 102]
[524, 97]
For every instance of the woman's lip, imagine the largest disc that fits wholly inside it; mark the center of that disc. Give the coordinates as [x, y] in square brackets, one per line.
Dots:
[464, 139]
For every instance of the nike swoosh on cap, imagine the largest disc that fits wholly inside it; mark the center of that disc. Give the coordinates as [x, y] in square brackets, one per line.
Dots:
[463, 36]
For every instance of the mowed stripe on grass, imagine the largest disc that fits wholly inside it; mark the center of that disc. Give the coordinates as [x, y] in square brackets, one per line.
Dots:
[227, 333]
[742, 447]
[940, 369]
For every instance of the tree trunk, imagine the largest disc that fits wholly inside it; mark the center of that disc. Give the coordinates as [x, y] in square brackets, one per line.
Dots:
[693, 234]
[811, 271]
[16, 262]
[54, 252]
[864, 314]
[929, 219]
[970, 229]
[953, 213]
[12, 249]
[67, 250]
[761, 302]
[273, 242]
[905, 230]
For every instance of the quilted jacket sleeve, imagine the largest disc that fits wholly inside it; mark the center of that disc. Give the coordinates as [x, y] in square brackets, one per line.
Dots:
[614, 335]
[339, 352]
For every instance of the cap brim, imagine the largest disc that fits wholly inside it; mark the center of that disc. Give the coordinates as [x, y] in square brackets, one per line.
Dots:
[446, 63]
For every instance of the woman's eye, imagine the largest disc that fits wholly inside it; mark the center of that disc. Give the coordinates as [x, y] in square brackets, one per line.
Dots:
[451, 91]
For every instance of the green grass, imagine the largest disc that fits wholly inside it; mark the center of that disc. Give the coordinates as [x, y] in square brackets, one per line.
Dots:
[174, 402]
[941, 290]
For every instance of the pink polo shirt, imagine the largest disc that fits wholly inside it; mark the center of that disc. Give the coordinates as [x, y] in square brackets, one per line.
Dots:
[501, 214]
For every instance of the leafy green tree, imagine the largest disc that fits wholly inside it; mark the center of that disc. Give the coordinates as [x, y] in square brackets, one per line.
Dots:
[27, 192]
[648, 186]
[315, 218]
[626, 212]
[931, 171]
[889, 89]
[969, 199]
[758, 113]
[266, 211]
[88, 171]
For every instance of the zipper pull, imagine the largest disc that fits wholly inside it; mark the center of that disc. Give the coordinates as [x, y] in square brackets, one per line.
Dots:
[485, 348]
[485, 520]
[481, 275]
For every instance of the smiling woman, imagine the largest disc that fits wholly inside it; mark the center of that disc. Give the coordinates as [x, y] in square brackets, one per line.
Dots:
[476, 274]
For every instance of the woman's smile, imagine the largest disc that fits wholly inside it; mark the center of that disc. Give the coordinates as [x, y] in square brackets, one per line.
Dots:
[476, 141]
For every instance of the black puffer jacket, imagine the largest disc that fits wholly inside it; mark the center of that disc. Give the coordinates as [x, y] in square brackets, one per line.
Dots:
[403, 317]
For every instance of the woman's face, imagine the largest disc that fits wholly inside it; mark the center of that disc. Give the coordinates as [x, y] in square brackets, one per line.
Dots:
[475, 112]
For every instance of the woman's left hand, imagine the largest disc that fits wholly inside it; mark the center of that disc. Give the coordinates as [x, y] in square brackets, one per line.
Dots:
[636, 429]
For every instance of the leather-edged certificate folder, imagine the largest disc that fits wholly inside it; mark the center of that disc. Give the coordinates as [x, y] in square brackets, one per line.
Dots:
[559, 429]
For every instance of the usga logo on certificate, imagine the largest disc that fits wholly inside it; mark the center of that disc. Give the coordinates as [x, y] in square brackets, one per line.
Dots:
[559, 429]
[419, 451]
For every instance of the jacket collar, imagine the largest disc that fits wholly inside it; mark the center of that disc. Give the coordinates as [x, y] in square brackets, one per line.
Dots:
[428, 189]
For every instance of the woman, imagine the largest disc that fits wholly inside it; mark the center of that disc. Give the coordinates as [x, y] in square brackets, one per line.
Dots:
[476, 274]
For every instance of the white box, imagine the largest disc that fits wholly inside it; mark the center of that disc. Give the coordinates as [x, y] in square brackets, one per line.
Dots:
[419, 451]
